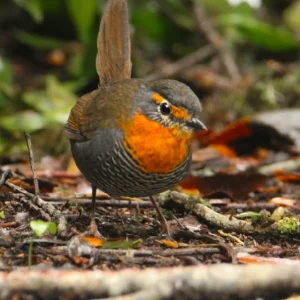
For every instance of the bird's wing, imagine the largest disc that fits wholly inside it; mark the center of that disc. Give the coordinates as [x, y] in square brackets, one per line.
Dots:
[81, 123]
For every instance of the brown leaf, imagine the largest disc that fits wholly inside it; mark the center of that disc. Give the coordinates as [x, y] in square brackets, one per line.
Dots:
[234, 185]
[275, 130]
[253, 259]
[288, 202]
[289, 177]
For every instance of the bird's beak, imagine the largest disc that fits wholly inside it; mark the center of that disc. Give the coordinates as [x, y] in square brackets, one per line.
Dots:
[196, 124]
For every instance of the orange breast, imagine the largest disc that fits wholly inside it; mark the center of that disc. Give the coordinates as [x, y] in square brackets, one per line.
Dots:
[155, 148]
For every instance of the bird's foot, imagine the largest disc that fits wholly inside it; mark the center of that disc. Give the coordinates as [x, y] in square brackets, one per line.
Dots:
[165, 233]
[93, 230]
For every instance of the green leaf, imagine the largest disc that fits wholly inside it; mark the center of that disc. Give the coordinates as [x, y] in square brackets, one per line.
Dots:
[3, 143]
[248, 214]
[83, 14]
[278, 213]
[216, 6]
[260, 33]
[22, 121]
[54, 103]
[121, 244]
[40, 227]
[288, 225]
[291, 16]
[5, 71]
[178, 12]
[223, 6]
[5, 81]
[36, 41]
[2, 215]
[33, 7]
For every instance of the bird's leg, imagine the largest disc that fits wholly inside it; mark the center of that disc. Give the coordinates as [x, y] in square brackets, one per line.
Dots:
[93, 230]
[164, 224]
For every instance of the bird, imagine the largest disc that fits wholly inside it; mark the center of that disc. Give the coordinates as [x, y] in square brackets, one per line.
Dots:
[131, 137]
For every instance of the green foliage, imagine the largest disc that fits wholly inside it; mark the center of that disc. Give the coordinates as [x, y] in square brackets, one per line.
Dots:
[83, 14]
[291, 16]
[33, 7]
[160, 30]
[54, 102]
[2, 214]
[23, 121]
[5, 81]
[248, 214]
[40, 227]
[47, 107]
[180, 14]
[259, 33]
[288, 225]
[152, 25]
[219, 7]
[37, 42]
[121, 244]
[5, 71]
[278, 213]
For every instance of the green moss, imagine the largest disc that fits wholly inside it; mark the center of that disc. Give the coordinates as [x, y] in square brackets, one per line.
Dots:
[288, 225]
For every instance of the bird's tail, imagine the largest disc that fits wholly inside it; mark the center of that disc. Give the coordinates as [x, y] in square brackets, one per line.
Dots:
[113, 60]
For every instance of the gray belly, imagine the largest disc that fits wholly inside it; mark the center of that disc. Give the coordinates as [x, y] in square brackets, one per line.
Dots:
[108, 166]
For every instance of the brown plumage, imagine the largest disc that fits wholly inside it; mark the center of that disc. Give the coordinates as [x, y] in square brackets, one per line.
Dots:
[131, 137]
[113, 61]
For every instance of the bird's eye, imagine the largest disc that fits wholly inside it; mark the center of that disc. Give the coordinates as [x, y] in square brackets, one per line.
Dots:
[165, 108]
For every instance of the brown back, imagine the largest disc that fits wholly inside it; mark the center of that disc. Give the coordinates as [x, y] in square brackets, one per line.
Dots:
[113, 60]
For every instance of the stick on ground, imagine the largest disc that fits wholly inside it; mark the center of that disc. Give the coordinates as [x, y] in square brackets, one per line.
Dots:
[221, 281]
[32, 165]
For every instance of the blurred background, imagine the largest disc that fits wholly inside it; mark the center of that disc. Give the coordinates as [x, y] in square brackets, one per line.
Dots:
[240, 58]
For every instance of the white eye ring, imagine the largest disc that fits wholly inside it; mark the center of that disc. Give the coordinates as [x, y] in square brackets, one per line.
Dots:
[165, 108]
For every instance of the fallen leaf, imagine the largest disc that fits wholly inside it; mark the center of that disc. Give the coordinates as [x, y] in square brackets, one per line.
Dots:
[169, 244]
[246, 258]
[276, 130]
[236, 186]
[289, 177]
[80, 260]
[278, 213]
[248, 214]
[288, 202]
[96, 242]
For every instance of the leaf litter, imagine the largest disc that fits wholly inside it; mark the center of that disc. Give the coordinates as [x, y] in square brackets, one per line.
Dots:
[128, 225]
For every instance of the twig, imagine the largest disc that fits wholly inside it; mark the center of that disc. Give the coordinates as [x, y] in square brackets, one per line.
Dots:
[75, 249]
[9, 224]
[216, 239]
[234, 238]
[32, 165]
[184, 63]
[6, 175]
[103, 203]
[213, 217]
[46, 207]
[244, 206]
[22, 198]
[37, 200]
[289, 165]
[216, 41]
[220, 281]
[160, 252]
